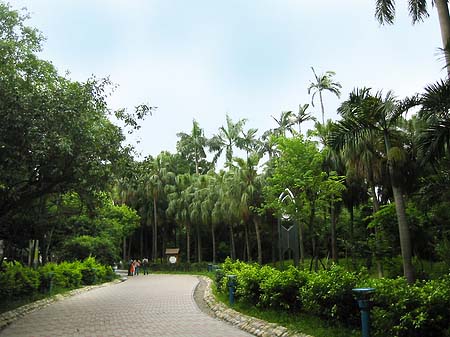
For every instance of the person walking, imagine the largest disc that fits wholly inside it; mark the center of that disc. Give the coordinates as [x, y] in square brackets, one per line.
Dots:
[145, 265]
[137, 265]
[131, 269]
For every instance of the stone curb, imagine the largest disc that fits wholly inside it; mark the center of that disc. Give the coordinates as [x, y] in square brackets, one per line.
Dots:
[10, 316]
[250, 324]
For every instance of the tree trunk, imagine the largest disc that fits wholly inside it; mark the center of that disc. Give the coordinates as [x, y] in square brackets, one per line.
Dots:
[188, 244]
[258, 239]
[403, 229]
[199, 244]
[444, 23]
[232, 245]
[247, 243]
[141, 239]
[302, 244]
[321, 105]
[124, 249]
[213, 237]
[47, 246]
[334, 255]
[36, 254]
[155, 232]
[274, 258]
[129, 246]
[405, 239]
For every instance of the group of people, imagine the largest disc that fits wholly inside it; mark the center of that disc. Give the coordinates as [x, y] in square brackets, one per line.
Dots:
[136, 265]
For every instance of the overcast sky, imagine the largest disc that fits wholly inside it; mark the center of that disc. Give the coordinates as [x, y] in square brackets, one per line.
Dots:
[249, 58]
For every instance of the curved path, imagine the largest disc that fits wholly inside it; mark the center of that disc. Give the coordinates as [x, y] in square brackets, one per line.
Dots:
[152, 305]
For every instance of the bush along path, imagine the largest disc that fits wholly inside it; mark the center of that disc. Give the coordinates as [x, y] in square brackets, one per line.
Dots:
[399, 309]
[252, 325]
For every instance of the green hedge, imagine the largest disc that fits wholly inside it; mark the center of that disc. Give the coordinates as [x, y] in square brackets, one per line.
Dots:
[400, 310]
[18, 281]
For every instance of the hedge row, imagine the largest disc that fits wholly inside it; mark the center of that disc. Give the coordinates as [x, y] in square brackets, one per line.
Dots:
[18, 281]
[401, 310]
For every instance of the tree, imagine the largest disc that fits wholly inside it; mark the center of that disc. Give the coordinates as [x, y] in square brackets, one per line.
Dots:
[192, 147]
[246, 187]
[227, 139]
[285, 123]
[323, 82]
[157, 175]
[376, 116]
[385, 14]
[434, 137]
[55, 134]
[302, 116]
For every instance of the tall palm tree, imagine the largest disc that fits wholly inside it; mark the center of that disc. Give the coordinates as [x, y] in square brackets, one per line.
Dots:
[323, 82]
[158, 175]
[385, 14]
[378, 117]
[228, 138]
[247, 187]
[192, 145]
[179, 205]
[248, 141]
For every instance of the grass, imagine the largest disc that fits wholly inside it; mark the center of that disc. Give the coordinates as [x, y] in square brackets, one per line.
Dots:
[298, 322]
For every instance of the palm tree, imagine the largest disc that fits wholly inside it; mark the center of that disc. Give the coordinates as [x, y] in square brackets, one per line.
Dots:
[246, 188]
[192, 146]
[323, 82]
[378, 117]
[248, 141]
[364, 161]
[302, 116]
[434, 139]
[285, 123]
[385, 14]
[158, 176]
[178, 207]
[227, 139]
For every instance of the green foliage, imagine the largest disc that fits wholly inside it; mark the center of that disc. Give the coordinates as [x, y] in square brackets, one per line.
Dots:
[328, 294]
[400, 309]
[422, 309]
[17, 280]
[81, 247]
[67, 275]
[280, 289]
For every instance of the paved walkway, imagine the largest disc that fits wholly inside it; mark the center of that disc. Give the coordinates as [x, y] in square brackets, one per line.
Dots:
[151, 305]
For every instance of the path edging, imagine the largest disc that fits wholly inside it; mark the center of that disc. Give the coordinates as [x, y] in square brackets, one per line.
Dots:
[250, 324]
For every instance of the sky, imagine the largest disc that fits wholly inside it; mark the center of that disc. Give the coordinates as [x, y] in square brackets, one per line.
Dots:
[252, 59]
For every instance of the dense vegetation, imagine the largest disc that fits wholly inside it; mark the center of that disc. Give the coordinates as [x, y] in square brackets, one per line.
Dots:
[20, 283]
[422, 309]
[370, 190]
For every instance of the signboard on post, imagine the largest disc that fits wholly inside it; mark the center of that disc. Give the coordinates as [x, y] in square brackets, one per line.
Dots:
[173, 255]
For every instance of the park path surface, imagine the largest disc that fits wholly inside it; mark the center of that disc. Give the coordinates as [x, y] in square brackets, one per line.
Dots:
[145, 305]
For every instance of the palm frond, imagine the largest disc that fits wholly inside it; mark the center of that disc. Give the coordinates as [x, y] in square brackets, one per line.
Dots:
[385, 11]
[418, 10]
[436, 100]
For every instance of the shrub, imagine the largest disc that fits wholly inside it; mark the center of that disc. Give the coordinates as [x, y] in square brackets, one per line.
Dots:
[67, 275]
[280, 289]
[403, 310]
[17, 280]
[328, 294]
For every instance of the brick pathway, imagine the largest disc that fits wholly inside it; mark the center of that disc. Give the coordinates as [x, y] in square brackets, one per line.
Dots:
[152, 305]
